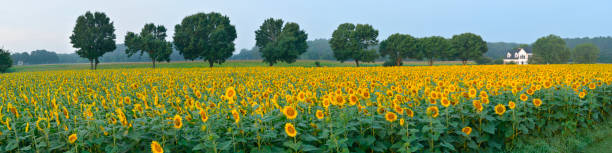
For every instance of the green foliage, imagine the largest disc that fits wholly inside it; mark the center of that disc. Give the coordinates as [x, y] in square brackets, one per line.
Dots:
[550, 50]
[585, 53]
[152, 40]
[483, 60]
[280, 44]
[36, 57]
[397, 47]
[5, 60]
[498, 61]
[433, 47]
[208, 36]
[467, 46]
[351, 41]
[93, 36]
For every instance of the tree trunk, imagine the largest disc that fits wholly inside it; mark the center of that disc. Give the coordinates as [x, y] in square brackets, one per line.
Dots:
[357, 63]
[153, 62]
[398, 61]
[210, 63]
[431, 62]
[91, 63]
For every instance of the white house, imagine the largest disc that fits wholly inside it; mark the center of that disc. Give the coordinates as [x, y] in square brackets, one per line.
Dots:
[521, 57]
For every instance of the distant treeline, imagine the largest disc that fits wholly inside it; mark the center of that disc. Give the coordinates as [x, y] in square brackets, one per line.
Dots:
[318, 49]
[499, 49]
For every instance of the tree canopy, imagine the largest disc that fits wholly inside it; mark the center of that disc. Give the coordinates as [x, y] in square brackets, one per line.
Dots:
[152, 40]
[398, 46]
[278, 43]
[5, 60]
[467, 46]
[585, 53]
[433, 47]
[93, 35]
[550, 49]
[207, 36]
[351, 41]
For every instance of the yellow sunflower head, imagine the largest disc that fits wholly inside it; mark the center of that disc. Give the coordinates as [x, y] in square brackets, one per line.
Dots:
[72, 138]
[290, 112]
[177, 121]
[390, 116]
[156, 148]
[433, 111]
[511, 105]
[523, 97]
[290, 130]
[537, 102]
[320, 114]
[500, 109]
[467, 130]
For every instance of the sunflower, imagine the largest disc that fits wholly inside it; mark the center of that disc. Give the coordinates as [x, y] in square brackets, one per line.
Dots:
[365, 94]
[582, 94]
[156, 148]
[445, 102]
[290, 130]
[500, 109]
[320, 114]
[401, 122]
[485, 100]
[409, 112]
[178, 121]
[483, 94]
[290, 112]
[511, 105]
[523, 97]
[236, 116]
[352, 100]
[477, 105]
[537, 102]
[472, 93]
[592, 86]
[326, 103]
[301, 96]
[433, 111]
[529, 92]
[339, 100]
[467, 130]
[72, 138]
[390, 116]
[203, 116]
[230, 93]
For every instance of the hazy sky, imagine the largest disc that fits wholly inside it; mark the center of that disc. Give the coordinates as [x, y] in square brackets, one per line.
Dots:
[27, 25]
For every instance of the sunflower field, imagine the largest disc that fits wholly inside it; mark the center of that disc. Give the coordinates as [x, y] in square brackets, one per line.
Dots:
[267, 109]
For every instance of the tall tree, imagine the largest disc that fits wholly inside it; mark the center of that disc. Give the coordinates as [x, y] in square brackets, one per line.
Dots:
[152, 40]
[208, 36]
[550, 50]
[467, 46]
[5, 60]
[351, 41]
[433, 47]
[585, 53]
[93, 36]
[277, 43]
[398, 46]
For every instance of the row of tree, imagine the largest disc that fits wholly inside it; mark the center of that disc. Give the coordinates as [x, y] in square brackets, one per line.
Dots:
[210, 36]
[356, 42]
[207, 36]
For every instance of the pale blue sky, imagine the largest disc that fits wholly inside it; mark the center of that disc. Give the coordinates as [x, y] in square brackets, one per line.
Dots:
[27, 25]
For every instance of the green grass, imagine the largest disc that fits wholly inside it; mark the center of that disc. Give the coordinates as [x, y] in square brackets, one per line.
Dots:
[193, 64]
[586, 140]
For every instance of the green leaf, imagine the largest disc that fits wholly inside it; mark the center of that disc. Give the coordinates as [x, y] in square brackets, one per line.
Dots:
[199, 147]
[489, 128]
[309, 148]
